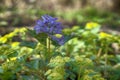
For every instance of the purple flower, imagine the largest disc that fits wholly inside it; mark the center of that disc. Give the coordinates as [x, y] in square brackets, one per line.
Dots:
[50, 26]
[60, 41]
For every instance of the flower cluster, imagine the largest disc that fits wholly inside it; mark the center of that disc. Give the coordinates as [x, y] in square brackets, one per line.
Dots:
[103, 35]
[92, 25]
[50, 26]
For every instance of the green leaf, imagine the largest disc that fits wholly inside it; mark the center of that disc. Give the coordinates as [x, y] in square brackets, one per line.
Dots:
[1, 70]
[28, 44]
[33, 64]
[41, 37]
[95, 30]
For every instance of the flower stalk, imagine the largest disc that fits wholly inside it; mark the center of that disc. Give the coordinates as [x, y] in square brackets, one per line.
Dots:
[48, 45]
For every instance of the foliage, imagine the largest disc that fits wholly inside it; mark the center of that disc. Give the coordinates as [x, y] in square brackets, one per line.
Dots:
[87, 55]
[90, 14]
[20, 18]
[72, 68]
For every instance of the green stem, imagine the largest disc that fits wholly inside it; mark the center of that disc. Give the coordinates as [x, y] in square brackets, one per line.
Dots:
[79, 76]
[99, 53]
[94, 45]
[49, 45]
[80, 72]
[47, 55]
[106, 60]
[48, 49]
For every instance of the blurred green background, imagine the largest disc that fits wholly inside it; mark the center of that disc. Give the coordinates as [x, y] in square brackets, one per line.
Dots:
[21, 13]
[93, 53]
